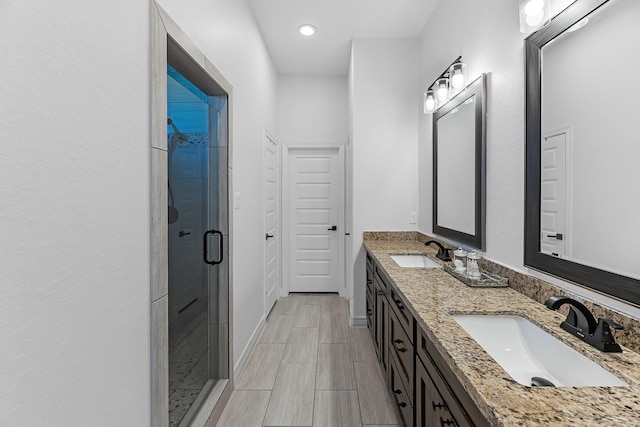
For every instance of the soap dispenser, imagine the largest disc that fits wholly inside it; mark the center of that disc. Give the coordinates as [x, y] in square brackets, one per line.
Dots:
[460, 260]
[473, 270]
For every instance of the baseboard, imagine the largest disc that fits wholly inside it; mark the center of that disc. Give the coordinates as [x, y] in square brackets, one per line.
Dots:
[244, 358]
[358, 322]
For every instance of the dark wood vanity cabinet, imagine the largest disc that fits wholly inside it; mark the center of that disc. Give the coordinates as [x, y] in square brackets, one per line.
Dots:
[420, 382]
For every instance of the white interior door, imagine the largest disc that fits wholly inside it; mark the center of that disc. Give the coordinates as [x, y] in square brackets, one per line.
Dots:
[553, 204]
[348, 188]
[314, 220]
[271, 215]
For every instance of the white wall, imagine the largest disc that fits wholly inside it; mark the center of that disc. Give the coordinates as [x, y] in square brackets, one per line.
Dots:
[312, 110]
[383, 107]
[487, 36]
[74, 213]
[226, 32]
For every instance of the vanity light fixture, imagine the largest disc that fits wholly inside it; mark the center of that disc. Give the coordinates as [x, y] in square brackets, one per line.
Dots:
[452, 80]
[534, 14]
[307, 29]
[430, 103]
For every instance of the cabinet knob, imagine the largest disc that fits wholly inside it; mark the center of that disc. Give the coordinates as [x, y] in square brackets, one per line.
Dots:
[379, 292]
[445, 422]
[397, 391]
[437, 405]
[402, 404]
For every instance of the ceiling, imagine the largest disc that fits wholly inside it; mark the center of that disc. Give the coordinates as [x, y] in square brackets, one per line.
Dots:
[337, 21]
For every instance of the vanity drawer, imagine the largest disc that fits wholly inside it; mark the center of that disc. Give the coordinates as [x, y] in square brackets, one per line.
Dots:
[402, 349]
[400, 394]
[404, 316]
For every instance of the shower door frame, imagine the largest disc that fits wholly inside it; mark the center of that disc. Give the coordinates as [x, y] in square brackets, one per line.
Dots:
[165, 32]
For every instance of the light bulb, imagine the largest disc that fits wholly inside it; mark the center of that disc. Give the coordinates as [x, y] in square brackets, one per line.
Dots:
[442, 93]
[457, 80]
[534, 20]
[443, 90]
[533, 14]
[429, 102]
[534, 7]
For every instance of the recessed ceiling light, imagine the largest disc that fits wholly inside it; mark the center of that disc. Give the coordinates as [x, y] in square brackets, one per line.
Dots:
[307, 30]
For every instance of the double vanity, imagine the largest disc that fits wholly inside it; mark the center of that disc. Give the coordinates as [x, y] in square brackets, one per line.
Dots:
[461, 356]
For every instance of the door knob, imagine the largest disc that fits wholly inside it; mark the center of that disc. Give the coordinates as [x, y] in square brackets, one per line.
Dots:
[333, 228]
[183, 233]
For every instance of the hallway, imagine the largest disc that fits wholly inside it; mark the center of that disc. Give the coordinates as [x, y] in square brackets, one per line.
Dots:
[310, 368]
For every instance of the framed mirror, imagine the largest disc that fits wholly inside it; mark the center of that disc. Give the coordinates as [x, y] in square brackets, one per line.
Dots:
[582, 148]
[459, 167]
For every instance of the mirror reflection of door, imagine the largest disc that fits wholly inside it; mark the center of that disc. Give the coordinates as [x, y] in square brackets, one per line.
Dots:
[553, 217]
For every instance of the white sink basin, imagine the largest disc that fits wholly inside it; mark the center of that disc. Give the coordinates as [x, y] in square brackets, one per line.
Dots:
[525, 351]
[415, 261]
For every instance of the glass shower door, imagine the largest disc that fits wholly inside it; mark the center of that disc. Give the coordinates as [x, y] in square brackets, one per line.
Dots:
[198, 277]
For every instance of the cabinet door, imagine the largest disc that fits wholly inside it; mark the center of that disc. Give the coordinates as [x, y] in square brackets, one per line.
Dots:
[371, 308]
[431, 410]
[402, 349]
[382, 313]
[460, 408]
[370, 319]
[404, 316]
[400, 393]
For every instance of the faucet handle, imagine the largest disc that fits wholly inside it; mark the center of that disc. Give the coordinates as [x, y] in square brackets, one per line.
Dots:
[603, 333]
[445, 254]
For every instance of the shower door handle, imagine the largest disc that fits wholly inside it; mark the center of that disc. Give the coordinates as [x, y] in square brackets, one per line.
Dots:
[206, 246]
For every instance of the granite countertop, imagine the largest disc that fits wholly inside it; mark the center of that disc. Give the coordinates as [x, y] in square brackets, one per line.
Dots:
[432, 295]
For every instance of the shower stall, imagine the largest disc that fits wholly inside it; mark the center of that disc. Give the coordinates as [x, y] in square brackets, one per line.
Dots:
[198, 237]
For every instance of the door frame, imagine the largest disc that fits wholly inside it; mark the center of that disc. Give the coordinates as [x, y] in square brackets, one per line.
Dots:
[165, 34]
[286, 199]
[278, 232]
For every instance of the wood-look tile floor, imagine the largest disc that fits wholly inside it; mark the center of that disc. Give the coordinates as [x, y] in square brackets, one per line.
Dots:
[310, 368]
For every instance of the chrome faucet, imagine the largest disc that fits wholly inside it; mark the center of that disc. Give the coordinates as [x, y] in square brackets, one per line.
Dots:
[581, 323]
[443, 253]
